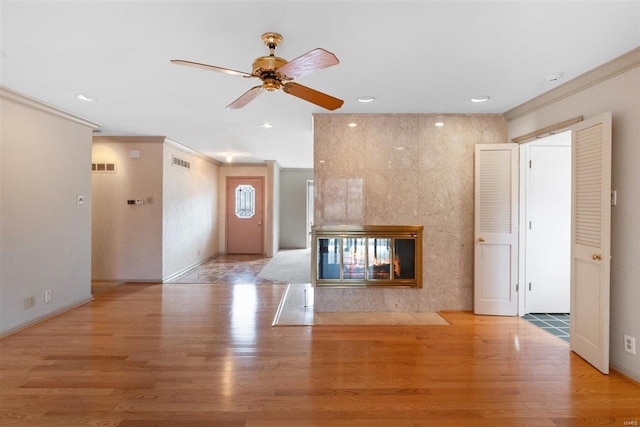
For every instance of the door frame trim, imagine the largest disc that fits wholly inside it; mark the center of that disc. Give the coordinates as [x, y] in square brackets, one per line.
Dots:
[522, 217]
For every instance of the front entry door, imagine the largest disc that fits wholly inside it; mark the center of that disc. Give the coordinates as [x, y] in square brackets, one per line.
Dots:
[244, 215]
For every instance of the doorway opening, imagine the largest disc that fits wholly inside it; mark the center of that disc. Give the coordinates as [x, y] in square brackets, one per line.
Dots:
[545, 232]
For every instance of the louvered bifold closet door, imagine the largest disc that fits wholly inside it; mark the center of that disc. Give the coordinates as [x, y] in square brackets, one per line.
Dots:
[496, 231]
[590, 240]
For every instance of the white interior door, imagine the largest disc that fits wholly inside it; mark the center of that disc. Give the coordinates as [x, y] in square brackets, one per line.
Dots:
[547, 233]
[591, 240]
[495, 229]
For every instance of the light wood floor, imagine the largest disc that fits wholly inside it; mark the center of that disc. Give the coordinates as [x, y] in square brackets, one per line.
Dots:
[206, 355]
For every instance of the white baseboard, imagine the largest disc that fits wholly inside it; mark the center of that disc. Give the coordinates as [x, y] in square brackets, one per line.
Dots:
[43, 318]
[184, 270]
[627, 373]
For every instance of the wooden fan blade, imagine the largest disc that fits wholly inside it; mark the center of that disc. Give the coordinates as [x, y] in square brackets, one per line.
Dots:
[211, 68]
[246, 97]
[317, 59]
[313, 96]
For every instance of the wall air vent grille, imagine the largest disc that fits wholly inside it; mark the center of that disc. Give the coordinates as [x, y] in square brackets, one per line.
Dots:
[177, 161]
[103, 167]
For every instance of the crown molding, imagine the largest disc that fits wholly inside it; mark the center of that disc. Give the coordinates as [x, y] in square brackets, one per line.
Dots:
[297, 169]
[35, 104]
[274, 164]
[191, 151]
[244, 165]
[584, 81]
[129, 139]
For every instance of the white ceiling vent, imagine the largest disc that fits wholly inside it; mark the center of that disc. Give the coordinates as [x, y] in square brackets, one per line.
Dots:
[103, 167]
[177, 161]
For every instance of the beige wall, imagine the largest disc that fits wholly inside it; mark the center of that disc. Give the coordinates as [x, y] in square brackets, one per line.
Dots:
[127, 239]
[46, 236]
[621, 96]
[190, 211]
[362, 177]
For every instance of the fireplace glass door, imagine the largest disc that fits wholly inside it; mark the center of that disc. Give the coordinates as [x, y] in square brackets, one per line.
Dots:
[367, 256]
[379, 265]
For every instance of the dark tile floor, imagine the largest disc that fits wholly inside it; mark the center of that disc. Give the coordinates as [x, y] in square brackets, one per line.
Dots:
[554, 323]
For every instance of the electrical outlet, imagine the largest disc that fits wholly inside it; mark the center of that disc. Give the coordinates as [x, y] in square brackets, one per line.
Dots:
[629, 344]
[48, 296]
[29, 302]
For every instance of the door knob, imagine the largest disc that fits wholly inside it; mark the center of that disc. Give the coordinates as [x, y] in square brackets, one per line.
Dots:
[596, 257]
[481, 239]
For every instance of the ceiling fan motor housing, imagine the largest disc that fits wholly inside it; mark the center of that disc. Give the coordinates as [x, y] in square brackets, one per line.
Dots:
[266, 68]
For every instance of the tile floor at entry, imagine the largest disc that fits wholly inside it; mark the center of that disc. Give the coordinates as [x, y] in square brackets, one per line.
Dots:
[555, 323]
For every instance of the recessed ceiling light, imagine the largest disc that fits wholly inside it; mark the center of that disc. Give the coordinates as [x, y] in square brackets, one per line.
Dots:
[439, 124]
[86, 98]
[352, 125]
[266, 125]
[365, 99]
[229, 158]
[479, 99]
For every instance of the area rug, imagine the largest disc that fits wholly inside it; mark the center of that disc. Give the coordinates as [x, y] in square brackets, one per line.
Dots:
[288, 266]
[296, 309]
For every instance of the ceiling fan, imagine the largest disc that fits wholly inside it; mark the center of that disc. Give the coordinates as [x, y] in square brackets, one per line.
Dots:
[277, 73]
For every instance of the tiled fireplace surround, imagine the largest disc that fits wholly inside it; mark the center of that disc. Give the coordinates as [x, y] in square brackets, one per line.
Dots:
[401, 169]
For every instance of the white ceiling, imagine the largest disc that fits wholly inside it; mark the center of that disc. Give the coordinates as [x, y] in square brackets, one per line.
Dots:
[414, 57]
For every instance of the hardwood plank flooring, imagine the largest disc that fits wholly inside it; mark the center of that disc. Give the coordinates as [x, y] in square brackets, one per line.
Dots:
[206, 355]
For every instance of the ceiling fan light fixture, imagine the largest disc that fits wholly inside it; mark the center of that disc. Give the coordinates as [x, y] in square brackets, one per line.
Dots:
[366, 99]
[478, 99]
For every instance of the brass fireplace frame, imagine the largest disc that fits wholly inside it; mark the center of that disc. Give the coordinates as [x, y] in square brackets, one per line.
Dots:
[366, 232]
